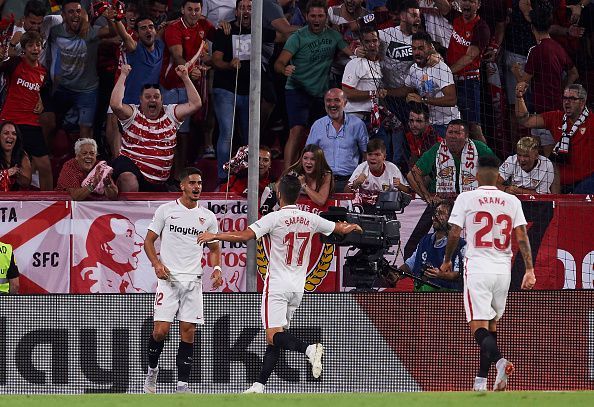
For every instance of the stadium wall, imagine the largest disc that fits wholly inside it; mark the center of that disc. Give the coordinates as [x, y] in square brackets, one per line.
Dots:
[376, 342]
[61, 246]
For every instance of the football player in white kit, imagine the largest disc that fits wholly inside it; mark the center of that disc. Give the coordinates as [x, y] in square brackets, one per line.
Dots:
[290, 231]
[489, 216]
[179, 270]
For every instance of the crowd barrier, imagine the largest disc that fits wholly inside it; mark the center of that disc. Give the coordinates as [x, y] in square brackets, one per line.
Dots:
[63, 246]
[376, 342]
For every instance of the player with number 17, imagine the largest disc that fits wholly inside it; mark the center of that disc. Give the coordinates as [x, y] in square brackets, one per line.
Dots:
[290, 231]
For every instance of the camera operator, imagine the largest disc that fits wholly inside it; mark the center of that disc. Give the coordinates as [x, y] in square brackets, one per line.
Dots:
[425, 261]
[376, 175]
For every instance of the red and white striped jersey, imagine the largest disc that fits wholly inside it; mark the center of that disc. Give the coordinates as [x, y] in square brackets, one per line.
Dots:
[150, 144]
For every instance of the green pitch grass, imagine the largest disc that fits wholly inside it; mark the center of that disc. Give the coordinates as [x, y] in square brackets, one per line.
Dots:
[454, 399]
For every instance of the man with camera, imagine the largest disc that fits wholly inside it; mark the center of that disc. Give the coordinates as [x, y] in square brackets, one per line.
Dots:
[424, 262]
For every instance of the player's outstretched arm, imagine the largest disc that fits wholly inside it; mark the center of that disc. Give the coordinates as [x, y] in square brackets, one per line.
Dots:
[453, 238]
[342, 228]
[524, 243]
[237, 236]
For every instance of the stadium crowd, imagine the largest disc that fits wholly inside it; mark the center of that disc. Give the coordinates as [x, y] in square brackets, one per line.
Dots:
[431, 85]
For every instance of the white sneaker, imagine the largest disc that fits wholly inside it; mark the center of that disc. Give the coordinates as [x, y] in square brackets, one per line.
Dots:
[504, 369]
[316, 360]
[257, 387]
[480, 384]
[182, 387]
[150, 382]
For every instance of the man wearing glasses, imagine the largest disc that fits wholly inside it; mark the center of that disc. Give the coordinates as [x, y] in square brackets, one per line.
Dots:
[573, 132]
[342, 137]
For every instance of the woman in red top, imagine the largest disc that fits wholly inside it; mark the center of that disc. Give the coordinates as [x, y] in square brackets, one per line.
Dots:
[15, 167]
[26, 78]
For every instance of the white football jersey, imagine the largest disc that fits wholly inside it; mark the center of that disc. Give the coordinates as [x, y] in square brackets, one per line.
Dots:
[179, 228]
[490, 216]
[290, 231]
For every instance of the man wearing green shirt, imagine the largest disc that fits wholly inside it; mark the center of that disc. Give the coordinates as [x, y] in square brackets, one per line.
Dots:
[305, 61]
[450, 165]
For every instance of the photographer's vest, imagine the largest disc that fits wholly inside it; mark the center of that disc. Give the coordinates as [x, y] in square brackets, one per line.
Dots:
[5, 257]
[428, 254]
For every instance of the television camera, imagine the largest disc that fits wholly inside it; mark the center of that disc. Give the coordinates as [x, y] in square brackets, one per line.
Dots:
[381, 230]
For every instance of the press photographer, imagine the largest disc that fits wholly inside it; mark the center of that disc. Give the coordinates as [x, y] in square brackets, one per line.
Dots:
[425, 261]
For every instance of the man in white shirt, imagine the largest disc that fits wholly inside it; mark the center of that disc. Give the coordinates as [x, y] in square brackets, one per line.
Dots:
[290, 231]
[179, 270]
[362, 78]
[527, 172]
[489, 216]
[396, 46]
[431, 84]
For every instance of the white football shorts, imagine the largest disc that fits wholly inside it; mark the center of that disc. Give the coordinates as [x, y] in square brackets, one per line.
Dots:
[179, 298]
[485, 295]
[278, 308]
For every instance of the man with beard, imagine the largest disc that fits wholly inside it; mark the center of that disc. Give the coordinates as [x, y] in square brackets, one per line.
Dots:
[179, 270]
[34, 19]
[431, 85]
[420, 135]
[342, 137]
[572, 132]
[428, 256]
[305, 61]
[396, 46]
[362, 83]
[375, 175]
[450, 165]
[527, 172]
[238, 166]
[231, 59]
[73, 44]
[145, 56]
[149, 138]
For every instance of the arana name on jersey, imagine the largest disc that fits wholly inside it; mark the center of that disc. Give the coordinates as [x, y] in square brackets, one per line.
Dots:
[491, 200]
